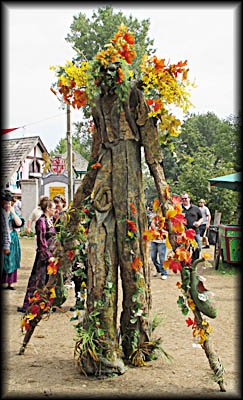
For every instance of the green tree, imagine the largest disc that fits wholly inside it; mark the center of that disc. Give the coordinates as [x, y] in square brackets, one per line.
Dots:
[81, 140]
[88, 36]
[207, 147]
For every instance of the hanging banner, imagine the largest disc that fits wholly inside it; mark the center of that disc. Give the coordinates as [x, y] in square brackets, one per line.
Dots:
[8, 130]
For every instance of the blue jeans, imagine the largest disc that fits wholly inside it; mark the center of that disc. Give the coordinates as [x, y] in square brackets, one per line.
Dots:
[197, 251]
[155, 249]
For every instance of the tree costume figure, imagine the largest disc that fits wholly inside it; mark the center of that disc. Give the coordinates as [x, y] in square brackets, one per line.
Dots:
[106, 225]
[115, 235]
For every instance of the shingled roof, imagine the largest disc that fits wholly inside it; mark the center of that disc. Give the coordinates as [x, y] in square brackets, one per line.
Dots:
[15, 151]
[79, 162]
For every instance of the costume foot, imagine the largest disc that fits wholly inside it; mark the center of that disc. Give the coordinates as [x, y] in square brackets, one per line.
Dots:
[155, 274]
[20, 309]
[11, 288]
[164, 277]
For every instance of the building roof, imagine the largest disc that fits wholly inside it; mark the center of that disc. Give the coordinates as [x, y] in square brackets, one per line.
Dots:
[79, 162]
[15, 151]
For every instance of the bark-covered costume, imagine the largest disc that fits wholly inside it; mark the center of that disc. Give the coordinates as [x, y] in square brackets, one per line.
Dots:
[120, 133]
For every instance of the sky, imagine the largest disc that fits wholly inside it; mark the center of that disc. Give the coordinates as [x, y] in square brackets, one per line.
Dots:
[204, 34]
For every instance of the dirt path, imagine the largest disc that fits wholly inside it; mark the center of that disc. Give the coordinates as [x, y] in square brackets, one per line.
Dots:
[48, 369]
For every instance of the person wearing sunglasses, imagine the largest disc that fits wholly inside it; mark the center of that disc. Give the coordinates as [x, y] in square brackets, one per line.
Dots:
[194, 219]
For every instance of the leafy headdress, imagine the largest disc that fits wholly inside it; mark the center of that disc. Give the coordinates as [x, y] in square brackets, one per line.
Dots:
[165, 85]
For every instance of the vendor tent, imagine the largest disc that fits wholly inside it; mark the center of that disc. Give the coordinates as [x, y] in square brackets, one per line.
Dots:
[231, 181]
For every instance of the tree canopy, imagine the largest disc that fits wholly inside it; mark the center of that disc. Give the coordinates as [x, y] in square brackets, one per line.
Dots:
[88, 36]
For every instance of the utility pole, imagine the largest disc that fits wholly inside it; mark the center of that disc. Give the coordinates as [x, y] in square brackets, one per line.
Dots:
[69, 155]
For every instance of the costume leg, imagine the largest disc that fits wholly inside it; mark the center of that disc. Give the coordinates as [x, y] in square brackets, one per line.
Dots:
[126, 170]
[102, 280]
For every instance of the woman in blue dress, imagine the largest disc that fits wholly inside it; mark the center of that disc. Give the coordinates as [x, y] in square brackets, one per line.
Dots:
[11, 262]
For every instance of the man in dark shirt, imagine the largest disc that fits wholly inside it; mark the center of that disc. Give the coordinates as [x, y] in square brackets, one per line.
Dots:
[194, 219]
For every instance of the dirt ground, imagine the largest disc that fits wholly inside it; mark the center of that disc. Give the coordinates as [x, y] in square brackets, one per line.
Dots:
[48, 368]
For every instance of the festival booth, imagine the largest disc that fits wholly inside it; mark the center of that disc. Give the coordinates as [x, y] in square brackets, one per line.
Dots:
[228, 239]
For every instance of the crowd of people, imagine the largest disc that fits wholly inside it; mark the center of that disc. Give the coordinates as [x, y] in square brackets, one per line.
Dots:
[44, 218]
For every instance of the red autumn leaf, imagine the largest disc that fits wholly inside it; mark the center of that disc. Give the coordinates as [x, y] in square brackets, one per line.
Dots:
[190, 233]
[179, 218]
[71, 254]
[149, 102]
[175, 199]
[133, 208]
[35, 309]
[189, 322]
[27, 326]
[129, 38]
[175, 266]
[37, 296]
[131, 225]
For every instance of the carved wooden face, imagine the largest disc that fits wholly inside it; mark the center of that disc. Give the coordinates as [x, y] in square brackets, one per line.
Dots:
[110, 74]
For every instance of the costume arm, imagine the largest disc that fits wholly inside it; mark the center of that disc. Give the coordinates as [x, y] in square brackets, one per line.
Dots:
[153, 156]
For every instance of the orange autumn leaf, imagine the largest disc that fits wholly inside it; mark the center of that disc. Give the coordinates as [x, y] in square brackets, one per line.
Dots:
[166, 263]
[71, 254]
[171, 213]
[136, 264]
[149, 102]
[133, 208]
[178, 208]
[131, 225]
[150, 235]
[179, 285]
[129, 38]
[52, 268]
[96, 165]
[206, 256]
[191, 304]
[120, 76]
[156, 204]
[178, 227]
[183, 254]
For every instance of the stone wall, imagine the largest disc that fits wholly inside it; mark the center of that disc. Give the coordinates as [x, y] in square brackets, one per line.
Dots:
[30, 197]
